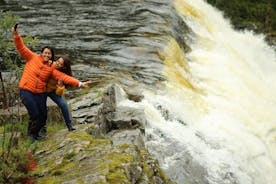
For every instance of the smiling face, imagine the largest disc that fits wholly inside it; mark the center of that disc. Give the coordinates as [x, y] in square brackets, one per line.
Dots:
[59, 63]
[46, 54]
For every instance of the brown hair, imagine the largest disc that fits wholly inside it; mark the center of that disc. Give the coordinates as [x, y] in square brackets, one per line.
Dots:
[66, 65]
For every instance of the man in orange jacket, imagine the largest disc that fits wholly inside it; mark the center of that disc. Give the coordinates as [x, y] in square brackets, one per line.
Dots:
[32, 84]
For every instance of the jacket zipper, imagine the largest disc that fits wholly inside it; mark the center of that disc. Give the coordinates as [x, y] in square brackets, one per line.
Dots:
[38, 75]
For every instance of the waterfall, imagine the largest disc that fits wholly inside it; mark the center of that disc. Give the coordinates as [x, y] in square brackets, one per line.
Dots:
[214, 119]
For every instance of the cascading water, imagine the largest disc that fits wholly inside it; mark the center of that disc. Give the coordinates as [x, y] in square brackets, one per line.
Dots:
[215, 119]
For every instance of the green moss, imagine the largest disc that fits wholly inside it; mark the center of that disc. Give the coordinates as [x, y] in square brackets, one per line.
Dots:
[126, 146]
[70, 155]
[80, 182]
[48, 144]
[45, 167]
[1, 129]
[55, 127]
[81, 136]
[148, 171]
[84, 91]
[116, 165]
[55, 171]
[100, 142]
[101, 95]
[117, 177]
[93, 142]
[62, 168]
[48, 180]
[102, 158]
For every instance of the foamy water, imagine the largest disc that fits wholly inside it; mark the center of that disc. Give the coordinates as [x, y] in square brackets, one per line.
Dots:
[218, 107]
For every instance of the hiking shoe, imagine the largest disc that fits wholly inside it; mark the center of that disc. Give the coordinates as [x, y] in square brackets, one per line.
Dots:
[34, 138]
[43, 132]
[31, 138]
[71, 128]
[40, 137]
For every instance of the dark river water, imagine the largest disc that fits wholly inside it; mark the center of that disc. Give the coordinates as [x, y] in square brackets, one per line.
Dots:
[111, 37]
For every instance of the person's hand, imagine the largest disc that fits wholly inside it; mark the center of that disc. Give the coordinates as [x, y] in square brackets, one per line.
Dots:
[86, 84]
[60, 82]
[50, 62]
[15, 29]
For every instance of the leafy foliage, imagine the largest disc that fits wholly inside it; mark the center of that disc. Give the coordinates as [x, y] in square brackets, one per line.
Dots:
[7, 20]
[9, 59]
[259, 15]
[15, 153]
[8, 56]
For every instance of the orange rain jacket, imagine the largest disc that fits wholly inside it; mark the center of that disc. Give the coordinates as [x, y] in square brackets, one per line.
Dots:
[52, 85]
[37, 72]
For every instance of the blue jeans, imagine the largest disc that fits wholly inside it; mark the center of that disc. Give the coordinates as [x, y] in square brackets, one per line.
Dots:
[37, 110]
[62, 104]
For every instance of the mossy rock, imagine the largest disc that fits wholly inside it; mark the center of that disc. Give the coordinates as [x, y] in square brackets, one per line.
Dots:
[78, 157]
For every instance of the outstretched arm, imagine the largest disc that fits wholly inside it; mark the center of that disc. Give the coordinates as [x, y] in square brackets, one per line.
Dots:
[66, 79]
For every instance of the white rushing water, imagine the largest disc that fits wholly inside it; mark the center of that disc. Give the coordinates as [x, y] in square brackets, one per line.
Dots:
[223, 130]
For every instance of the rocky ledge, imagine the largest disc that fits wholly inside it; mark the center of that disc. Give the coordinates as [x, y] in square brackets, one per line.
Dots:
[107, 147]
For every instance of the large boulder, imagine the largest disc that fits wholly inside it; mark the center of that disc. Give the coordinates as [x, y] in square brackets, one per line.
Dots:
[78, 157]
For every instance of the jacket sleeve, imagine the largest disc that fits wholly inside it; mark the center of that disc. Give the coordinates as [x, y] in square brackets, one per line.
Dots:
[24, 51]
[66, 79]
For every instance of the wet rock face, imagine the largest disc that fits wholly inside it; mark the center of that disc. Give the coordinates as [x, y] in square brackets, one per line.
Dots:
[108, 146]
[103, 111]
[120, 124]
[109, 149]
[72, 157]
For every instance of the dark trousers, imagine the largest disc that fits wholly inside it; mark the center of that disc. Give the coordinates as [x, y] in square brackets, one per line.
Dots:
[37, 110]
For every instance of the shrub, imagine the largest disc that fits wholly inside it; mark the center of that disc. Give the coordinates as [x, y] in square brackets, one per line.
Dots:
[10, 60]
[15, 151]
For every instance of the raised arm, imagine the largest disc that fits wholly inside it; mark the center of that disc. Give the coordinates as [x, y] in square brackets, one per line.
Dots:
[24, 51]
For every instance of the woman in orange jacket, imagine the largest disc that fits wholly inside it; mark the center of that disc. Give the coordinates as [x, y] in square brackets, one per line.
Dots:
[33, 81]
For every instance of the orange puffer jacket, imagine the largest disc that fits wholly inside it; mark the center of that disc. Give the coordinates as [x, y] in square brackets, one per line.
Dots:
[51, 85]
[37, 72]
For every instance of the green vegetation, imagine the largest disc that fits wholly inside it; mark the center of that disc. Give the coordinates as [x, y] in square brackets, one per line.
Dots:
[9, 59]
[15, 153]
[259, 15]
[16, 150]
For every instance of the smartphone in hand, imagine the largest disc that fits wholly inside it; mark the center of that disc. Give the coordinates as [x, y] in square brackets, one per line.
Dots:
[15, 27]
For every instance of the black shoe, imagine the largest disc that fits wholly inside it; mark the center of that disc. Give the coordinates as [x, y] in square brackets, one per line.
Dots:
[43, 132]
[29, 128]
[31, 138]
[71, 128]
[40, 137]
[34, 138]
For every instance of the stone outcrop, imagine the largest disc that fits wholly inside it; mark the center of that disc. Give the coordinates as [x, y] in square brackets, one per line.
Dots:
[78, 157]
[107, 147]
